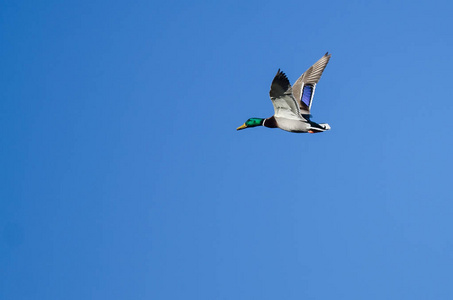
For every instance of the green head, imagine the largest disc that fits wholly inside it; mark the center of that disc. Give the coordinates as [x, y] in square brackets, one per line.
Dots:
[252, 122]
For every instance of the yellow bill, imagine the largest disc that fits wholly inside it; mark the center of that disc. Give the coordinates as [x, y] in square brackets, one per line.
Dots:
[242, 127]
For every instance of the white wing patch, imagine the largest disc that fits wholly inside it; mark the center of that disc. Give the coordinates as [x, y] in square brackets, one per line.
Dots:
[286, 107]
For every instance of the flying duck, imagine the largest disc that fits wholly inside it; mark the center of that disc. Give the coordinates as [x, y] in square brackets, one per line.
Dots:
[292, 104]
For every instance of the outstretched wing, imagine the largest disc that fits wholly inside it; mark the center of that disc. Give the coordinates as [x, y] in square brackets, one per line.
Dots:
[304, 87]
[285, 105]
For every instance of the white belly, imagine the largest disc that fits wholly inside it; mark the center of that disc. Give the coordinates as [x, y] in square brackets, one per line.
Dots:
[292, 125]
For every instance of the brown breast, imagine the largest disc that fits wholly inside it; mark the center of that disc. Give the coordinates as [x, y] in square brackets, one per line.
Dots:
[270, 122]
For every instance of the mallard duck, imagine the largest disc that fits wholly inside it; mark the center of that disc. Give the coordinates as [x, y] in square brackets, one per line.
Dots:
[292, 104]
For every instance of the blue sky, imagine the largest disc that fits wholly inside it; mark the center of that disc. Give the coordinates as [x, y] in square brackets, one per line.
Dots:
[123, 175]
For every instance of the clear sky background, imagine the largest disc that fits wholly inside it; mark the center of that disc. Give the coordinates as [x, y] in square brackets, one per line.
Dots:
[123, 175]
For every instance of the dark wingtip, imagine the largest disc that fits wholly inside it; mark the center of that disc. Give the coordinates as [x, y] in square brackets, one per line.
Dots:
[281, 79]
[280, 73]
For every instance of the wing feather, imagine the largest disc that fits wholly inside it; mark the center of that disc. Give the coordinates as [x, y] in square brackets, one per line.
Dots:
[309, 79]
[281, 94]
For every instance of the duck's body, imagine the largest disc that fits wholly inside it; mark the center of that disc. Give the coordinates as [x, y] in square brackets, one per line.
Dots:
[291, 125]
[290, 114]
